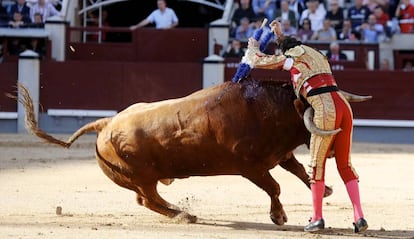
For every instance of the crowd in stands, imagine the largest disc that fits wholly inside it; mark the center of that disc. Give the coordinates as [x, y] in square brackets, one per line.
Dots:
[370, 21]
[22, 14]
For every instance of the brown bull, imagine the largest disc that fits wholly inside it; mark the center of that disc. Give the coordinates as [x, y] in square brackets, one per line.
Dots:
[231, 129]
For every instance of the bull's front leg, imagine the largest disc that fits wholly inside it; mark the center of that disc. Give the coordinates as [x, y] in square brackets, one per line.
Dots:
[265, 181]
[292, 165]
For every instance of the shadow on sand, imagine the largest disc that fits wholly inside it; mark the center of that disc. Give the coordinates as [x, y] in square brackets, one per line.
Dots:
[343, 232]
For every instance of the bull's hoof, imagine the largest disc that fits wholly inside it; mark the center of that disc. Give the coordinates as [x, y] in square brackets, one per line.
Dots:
[328, 191]
[186, 218]
[279, 220]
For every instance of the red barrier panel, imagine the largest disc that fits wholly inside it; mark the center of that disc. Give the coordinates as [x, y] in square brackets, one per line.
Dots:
[8, 80]
[144, 44]
[114, 86]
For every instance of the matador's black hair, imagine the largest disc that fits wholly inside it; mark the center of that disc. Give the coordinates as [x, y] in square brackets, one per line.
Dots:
[288, 42]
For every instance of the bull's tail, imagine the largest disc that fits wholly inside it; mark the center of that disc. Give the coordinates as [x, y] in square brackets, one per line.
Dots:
[32, 126]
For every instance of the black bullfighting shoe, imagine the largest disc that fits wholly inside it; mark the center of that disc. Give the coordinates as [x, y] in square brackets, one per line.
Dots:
[315, 226]
[360, 226]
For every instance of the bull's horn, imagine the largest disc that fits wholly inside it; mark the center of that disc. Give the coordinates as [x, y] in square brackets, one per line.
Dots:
[310, 125]
[355, 98]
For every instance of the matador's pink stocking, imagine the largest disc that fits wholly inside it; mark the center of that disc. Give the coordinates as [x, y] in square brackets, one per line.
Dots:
[353, 192]
[318, 190]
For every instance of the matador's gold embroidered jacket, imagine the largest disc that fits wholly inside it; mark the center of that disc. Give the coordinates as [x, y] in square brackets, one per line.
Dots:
[302, 61]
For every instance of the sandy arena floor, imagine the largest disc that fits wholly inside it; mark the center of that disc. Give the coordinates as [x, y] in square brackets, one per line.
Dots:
[36, 178]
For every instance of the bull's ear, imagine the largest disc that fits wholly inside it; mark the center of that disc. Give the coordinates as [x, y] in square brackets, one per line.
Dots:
[299, 106]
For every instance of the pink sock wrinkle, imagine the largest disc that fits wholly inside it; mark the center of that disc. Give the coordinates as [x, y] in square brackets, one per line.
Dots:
[318, 190]
[353, 192]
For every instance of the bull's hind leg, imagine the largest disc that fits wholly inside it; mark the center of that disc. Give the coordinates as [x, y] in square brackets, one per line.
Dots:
[148, 197]
[292, 165]
[265, 181]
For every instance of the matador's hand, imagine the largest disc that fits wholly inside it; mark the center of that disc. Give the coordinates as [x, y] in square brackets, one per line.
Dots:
[276, 27]
[253, 43]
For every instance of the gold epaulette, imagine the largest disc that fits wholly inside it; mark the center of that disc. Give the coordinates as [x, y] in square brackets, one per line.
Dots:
[295, 51]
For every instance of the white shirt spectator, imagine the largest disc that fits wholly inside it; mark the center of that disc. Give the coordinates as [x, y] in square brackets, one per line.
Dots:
[316, 16]
[46, 10]
[163, 19]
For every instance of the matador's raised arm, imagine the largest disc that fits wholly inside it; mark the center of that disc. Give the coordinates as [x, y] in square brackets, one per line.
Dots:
[257, 59]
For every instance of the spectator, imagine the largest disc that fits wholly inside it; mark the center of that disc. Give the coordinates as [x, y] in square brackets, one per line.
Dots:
[264, 8]
[305, 32]
[391, 8]
[297, 6]
[163, 17]
[408, 66]
[327, 33]
[15, 46]
[17, 21]
[21, 7]
[358, 14]
[334, 53]
[244, 31]
[372, 4]
[284, 13]
[385, 65]
[234, 49]
[287, 29]
[46, 9]
[346, 31]
[38, 21]
[4, 18]
[245, 10]
[371, 31]
[37, 46]
[336, 15]
[383, 19]
[405, 12]
[315, 13]
[355, 36]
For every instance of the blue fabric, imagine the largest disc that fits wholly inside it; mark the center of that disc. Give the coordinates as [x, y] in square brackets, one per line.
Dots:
[244, 69]
[265, 41]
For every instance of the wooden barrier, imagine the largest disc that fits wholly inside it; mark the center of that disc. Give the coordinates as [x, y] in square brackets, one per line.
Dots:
[401, 58]
[8, 81]
[114, 86]
[24, 36]
[144, 44]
